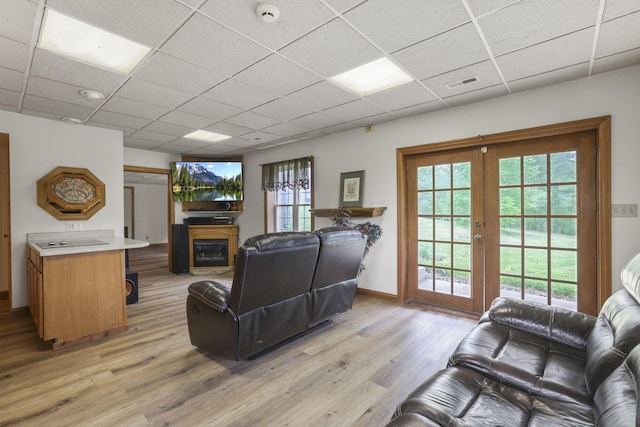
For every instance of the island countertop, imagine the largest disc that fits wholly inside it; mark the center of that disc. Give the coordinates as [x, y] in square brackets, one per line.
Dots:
[76, 242]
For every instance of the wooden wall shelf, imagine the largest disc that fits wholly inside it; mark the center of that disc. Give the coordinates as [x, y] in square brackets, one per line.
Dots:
[352, 212]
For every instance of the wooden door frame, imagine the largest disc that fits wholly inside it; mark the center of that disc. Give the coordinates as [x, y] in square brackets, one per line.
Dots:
[5, 216]
[602, 128]
[171, 205]
[132, 207]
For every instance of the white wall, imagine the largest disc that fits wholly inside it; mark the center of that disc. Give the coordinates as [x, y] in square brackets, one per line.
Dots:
[36, 147]
[150, 213]
[615, 93]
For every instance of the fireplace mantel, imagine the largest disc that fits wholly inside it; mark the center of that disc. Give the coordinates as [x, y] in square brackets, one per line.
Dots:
[229, 232]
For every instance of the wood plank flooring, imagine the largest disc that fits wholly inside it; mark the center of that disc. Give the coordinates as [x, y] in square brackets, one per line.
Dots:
[352, 372]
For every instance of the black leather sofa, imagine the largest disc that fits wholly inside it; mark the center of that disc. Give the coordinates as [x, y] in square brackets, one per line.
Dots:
[283, 285]
[528, 364]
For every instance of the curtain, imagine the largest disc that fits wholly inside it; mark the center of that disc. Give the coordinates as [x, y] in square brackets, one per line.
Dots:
[288, 174]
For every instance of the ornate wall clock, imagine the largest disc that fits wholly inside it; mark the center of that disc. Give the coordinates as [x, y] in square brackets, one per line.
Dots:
[71, 193]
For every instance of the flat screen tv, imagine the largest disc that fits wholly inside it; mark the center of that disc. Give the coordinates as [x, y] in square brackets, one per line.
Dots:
[207, 181]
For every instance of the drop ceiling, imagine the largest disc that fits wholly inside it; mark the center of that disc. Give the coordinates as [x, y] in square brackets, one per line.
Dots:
[215, 65]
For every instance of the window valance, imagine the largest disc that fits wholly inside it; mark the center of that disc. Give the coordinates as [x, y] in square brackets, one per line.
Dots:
[288, 174]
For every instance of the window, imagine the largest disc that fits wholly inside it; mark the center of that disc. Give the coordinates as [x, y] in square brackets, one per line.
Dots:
[288, 195]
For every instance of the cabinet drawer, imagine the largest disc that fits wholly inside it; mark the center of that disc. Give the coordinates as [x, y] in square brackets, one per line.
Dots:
[35, 258]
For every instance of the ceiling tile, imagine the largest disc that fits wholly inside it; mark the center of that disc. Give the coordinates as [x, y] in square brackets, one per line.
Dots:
[125, 130]
[252, 120]
[343, 5]
[144, 21]
[354, 110]
[175, 73]
[617, 8]
[297, 17]
[619, 35]
[120, 105]
[11, 79]
[477, 95]
[484, 71]
[259, 136]
[331, 49]
[53, 67]
[14, 54]
[558, 53]
[481, 7]
[209, 108]
[169, 129]
[60, 91]
[210, 45]
[238, 94]
[283, 109]
[230, 129]
[620, 60]
[402, 96]
[322, 95]
[9, 98]
[152, 136]
[190, 143]
[142, 144]
[420, 109]
[152, 93]
[277, 75]
[17, 19]
[59, 108]
[181, 118]
[374, 120]
[529, 22]
[286, 129]
[172, 148]
[449, 51]
[406, 22]
[119, 119]
[213, 149]
[316, 121]
[550, 78]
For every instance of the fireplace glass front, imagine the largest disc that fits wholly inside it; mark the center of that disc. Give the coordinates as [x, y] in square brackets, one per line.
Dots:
[210, 252]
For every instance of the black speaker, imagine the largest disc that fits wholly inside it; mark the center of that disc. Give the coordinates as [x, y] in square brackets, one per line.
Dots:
[131, 286]
[179, 248]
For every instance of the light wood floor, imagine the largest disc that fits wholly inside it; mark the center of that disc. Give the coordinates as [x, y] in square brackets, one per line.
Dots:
[352, 372]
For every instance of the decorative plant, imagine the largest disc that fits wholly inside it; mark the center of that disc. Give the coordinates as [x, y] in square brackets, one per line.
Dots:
[372, 231]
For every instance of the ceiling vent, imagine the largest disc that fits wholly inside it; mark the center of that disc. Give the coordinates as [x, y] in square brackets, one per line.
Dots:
[462, 82]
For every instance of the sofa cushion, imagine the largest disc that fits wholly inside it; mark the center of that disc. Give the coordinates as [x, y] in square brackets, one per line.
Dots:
[458, 396]
[523, 360]
[615, 334]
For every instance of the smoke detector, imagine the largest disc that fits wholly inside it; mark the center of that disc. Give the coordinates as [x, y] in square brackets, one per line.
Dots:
[71, 120]
[268, 12]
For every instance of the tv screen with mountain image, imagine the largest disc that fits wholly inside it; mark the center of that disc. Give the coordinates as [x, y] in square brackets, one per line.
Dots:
[207, 181]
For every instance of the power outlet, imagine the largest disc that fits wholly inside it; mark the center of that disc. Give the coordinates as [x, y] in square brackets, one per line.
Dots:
[73, 226]
[624, 210]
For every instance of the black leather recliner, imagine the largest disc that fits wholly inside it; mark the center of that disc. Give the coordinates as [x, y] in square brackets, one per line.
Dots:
[283, 284]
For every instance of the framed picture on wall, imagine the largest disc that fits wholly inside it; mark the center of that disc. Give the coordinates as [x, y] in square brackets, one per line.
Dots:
[351, 189]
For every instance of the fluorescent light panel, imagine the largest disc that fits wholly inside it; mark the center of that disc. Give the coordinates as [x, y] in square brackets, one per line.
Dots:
[203, 135]
[69, 37]
[373, 77]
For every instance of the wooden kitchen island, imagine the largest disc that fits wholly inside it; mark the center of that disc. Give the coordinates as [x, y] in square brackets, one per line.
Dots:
[76, 285]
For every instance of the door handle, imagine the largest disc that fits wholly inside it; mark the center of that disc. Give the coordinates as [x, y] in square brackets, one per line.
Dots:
[477, 236]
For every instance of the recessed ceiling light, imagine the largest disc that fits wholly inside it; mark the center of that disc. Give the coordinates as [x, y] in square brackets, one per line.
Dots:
[83, 42]
[91, 94]
[71, 120]
[373, 77]
[203, 135]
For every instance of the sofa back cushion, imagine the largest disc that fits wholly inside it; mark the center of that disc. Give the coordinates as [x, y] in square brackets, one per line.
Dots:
[617, 328]
[271, 268]
[616, 399]
[341, 251]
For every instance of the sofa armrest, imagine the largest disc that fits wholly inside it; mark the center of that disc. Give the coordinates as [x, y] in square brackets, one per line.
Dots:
[214, 294]
[554, 323]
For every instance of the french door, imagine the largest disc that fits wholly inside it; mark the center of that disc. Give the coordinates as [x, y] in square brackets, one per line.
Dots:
[512, 219]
